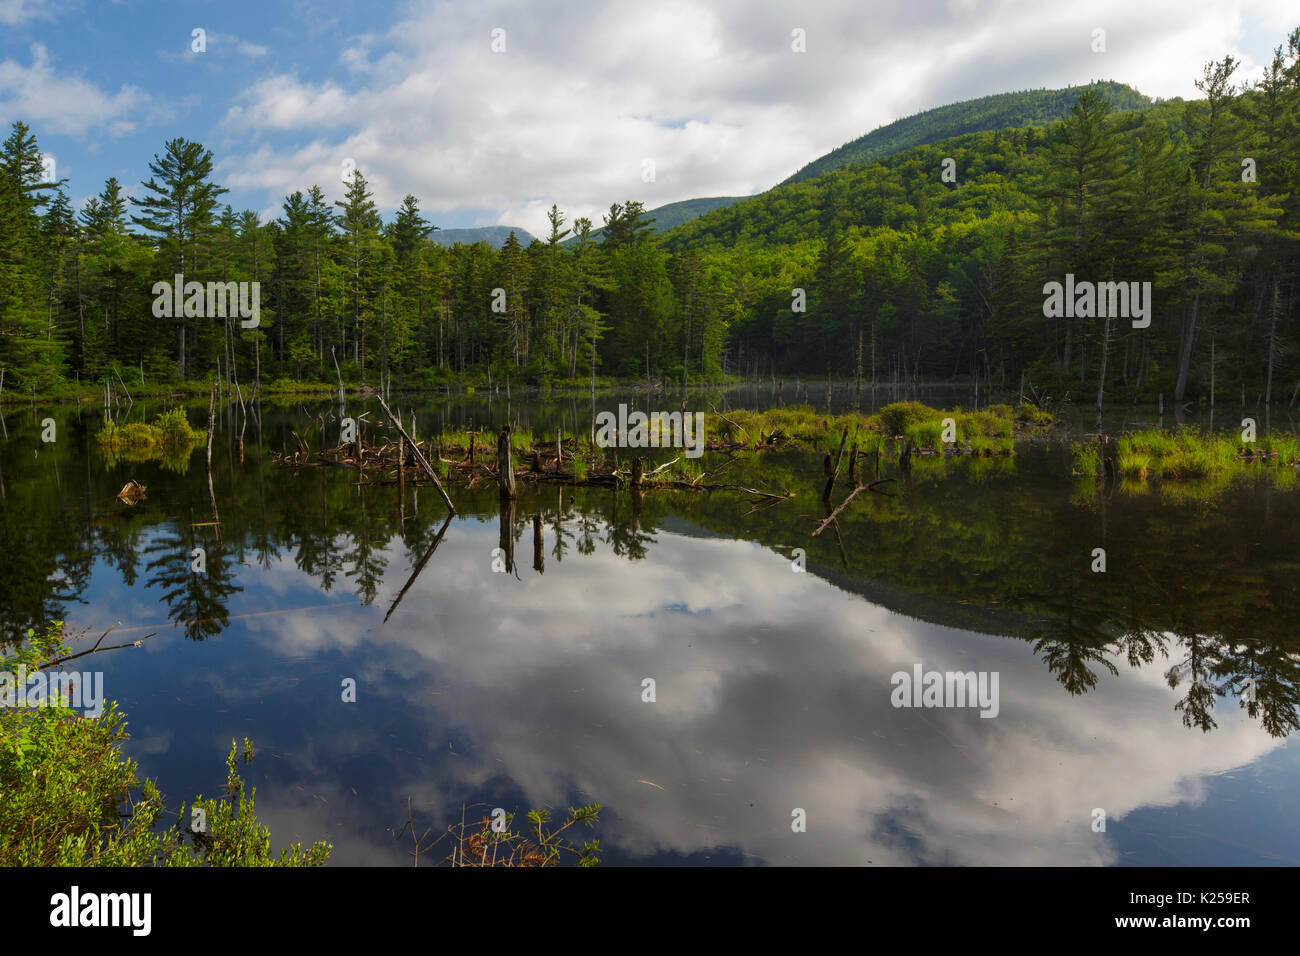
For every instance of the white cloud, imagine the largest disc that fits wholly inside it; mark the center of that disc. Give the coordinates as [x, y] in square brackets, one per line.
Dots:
[65, 104]
[712, 93]
[14, 12]
[748, 723]
[227, 42]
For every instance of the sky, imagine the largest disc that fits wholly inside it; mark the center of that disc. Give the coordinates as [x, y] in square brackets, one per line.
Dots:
[489, 111]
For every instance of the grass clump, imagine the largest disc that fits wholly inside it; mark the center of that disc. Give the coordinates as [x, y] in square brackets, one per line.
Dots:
[926, 434]
[1204, 464]
[1133, 464]
[1286, 448]
[984, 423]
[1085, 459]
[1034, 415]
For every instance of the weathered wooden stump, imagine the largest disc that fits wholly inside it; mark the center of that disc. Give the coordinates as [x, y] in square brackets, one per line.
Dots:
[505, 464]
[539, 561]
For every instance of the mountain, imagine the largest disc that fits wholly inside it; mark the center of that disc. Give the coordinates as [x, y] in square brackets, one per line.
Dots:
[676, 213]
[1000, 111]
[885, 195]
[494, 236]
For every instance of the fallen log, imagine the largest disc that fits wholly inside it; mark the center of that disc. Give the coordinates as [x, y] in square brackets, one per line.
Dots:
[419, 455]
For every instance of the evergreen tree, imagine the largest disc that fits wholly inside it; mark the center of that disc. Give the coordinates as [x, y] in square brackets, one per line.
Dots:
[178, 204]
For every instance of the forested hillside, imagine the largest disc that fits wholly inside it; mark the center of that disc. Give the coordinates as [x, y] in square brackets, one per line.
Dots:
[662, 218]
[1000, 111]
[908, 275]
[494, 236]
[873, 271]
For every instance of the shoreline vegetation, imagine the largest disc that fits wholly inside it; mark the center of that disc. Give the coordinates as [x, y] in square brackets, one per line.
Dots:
[904, 430]
[906, 262]
[72, 798]
[1186, 458]
[906, 434]
[456, 386]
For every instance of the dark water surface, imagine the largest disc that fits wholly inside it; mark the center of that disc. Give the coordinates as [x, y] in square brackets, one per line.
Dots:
[1124, 691]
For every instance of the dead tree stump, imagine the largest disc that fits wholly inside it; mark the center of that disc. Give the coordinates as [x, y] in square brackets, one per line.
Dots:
[505, 464]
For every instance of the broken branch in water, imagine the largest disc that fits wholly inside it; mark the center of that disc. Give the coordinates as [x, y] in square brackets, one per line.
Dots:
[767, 494]
[730, 422]
[662, 467]
[835, 472]
[418, 568]
[97, 648]
[419, 455]
[843, 504]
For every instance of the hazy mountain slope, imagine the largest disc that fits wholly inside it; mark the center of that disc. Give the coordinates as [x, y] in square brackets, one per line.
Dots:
[494, 236]
[676, 213]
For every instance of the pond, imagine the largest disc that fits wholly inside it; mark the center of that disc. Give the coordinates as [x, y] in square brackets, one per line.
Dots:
[1157, 697]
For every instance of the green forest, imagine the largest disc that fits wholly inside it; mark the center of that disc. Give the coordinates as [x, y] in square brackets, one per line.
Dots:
[901, 268]
[1000, 111]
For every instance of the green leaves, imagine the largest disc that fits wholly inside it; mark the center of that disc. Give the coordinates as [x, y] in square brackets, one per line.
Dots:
[68, 797]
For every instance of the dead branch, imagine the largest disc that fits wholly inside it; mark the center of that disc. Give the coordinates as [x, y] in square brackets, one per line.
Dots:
[853, 494]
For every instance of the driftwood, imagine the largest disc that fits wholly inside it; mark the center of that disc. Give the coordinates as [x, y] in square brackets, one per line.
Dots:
[132, 492]
[843, 504]
[385, 463]
[419, 456]
[97, 649]
[729, 422]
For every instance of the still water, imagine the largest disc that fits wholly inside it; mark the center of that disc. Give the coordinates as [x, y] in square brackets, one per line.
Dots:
[1162, 692]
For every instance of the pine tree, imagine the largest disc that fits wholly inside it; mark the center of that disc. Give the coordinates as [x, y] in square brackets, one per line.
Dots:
[179, 202]
[360, 224]
[1084, 169]
[24, 346]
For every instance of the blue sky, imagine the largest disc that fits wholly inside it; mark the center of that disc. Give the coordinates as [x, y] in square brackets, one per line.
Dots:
[581, 97]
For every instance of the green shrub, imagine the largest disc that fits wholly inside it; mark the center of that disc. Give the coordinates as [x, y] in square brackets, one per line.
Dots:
[1026, 412]
[70, 797]
[897, 417]
[175, 427]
